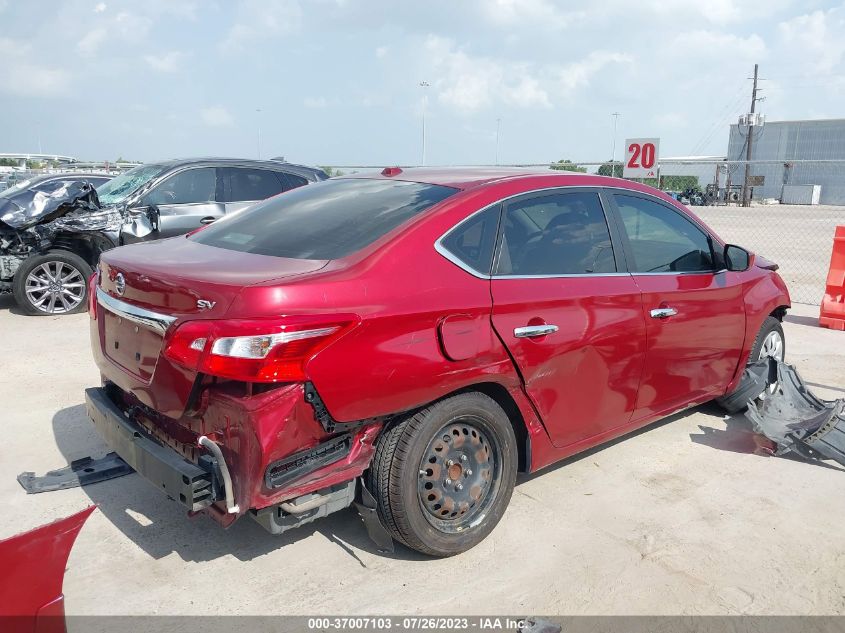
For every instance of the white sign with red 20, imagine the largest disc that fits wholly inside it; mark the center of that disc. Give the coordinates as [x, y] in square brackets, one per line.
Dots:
[641, 156]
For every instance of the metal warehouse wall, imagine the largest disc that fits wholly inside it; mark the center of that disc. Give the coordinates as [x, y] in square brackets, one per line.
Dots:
[793, 141]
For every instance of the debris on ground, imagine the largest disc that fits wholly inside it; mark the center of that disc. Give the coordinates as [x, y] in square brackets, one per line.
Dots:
[80, 472]
[795, 419]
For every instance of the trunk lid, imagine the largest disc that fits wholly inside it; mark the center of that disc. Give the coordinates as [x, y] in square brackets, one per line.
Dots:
[150, 288]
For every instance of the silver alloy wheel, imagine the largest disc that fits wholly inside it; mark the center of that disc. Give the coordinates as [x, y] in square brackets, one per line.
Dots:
[772, 346]
[55, 287]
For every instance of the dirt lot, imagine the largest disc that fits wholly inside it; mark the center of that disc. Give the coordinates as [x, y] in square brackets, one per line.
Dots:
[678, 519]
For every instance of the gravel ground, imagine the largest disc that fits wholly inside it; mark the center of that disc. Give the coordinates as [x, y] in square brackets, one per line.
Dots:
[677, 519]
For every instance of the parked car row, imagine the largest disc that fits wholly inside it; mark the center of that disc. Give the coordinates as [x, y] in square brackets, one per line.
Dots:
[407, 341]
[54, 228]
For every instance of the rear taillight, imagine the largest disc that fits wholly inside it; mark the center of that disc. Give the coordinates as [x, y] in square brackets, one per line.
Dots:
[92, 294]
[255, 350]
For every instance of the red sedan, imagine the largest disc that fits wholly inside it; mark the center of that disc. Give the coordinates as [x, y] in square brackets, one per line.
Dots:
[412, 340]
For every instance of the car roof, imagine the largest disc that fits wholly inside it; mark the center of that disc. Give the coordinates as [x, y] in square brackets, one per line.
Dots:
[471, 177]
[311, 173]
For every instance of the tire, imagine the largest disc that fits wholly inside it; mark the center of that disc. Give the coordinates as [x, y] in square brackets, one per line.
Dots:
[37, 298]
[750, 388]
[412, 464]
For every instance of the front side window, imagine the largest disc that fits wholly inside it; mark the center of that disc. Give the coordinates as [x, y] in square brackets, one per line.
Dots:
[326, 220]
[662, 240]
[558, 234]
[187, 187]
[252, 184]
[473, 241]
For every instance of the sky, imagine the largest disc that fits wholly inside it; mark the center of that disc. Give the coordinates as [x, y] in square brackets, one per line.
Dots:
[337, 82]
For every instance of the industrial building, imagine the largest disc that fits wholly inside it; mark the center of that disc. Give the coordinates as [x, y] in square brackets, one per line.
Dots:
[785, 144]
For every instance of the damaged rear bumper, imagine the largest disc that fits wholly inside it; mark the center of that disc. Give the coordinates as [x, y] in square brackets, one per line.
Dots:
[186, 482]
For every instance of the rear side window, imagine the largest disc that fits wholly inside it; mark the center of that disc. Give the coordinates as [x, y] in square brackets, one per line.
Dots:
[326, 220]
[662, 240]
[253, 184]
[187, 187]
[293, 180]
[557, 234]
[473, 241]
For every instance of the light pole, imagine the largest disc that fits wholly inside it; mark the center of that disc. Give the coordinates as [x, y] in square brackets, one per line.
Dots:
[258, 136]
[424, 85]
[615, 116]
[498, 125]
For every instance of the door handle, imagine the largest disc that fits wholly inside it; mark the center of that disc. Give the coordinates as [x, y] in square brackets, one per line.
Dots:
[663, 313]
[534, 330]
[208, 219]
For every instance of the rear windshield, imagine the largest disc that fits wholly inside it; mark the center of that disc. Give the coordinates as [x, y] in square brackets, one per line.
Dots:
[326, 220]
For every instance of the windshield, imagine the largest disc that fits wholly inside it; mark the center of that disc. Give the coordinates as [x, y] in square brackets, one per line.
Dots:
[326, 220]
[121, 187]
[11, 191]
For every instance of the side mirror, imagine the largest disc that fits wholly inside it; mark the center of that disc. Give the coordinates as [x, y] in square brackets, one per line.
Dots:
[736, 258]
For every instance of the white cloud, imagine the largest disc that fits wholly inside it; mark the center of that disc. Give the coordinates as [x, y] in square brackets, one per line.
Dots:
[100, 7]
[577, 74]
[123, 29]
[216, 116]
[382, 51]
[259, 20]
[315, 102]
[470, 83]
[819, 35]
[507, 13]
[166, 62]
[90, 43]
[22, 77]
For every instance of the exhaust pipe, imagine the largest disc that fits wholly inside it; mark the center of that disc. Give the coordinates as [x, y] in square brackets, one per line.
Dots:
[231, 506]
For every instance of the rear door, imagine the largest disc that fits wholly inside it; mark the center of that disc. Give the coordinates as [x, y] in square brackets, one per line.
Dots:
[569, 314]
[185, 201]
[244, 186]
[694, 313]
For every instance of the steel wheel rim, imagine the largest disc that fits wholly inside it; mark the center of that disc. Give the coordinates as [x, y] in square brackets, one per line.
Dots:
[459, 475]
[772, 346]
[55, 287]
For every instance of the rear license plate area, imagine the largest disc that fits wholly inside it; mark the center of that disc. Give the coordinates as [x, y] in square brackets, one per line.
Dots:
[132, 346]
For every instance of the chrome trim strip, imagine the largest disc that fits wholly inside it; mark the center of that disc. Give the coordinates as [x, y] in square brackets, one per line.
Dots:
[147, 318]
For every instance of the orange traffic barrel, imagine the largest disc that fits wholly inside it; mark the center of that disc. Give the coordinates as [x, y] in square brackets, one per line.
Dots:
[832, 313]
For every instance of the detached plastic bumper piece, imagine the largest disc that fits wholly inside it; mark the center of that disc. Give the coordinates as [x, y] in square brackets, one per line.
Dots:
[798, 421]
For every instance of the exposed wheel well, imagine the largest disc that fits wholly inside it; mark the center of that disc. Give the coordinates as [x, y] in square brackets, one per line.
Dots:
[779, 312]
[87, 247]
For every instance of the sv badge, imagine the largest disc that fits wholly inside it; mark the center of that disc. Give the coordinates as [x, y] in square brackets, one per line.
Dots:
[203, 304]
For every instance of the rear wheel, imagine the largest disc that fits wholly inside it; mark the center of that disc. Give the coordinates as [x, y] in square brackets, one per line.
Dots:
[53, 283]
[443, 477]
[770, 342]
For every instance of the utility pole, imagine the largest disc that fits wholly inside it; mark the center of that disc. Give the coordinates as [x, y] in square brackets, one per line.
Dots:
[258, 135]
[498, 124]
[746, 189]
[424, 85]
[615, 116]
